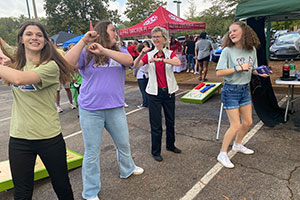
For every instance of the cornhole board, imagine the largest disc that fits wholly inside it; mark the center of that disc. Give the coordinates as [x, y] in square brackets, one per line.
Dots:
[195, 96]
[74, 160]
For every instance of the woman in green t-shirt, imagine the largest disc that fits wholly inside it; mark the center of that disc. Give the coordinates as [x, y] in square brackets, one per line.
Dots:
[35, 127]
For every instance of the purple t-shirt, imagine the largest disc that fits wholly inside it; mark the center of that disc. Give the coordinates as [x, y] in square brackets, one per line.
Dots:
[102, 86]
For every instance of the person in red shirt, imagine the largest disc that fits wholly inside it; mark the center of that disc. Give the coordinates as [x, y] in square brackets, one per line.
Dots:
[161, 90]
[175, 45]
[132, 49]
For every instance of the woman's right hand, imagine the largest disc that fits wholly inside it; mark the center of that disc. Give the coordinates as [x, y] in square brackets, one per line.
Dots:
[246, 66]
[4, 60]
[96, 48]
[90, 36]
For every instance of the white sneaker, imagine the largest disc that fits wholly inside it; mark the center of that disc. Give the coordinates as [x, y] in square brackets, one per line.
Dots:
[192, 71]
[241, 148]
[95, 198]
[188, 70]
[72, 106]
[138, 171]
[59, 109]
[125, 105]
[196, 72]
[224, 160]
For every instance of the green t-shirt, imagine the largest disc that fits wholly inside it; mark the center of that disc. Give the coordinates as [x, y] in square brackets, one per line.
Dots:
[34, 114]
[232, 56]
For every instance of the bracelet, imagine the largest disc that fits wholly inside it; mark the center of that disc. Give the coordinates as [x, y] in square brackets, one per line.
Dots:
[235, 69]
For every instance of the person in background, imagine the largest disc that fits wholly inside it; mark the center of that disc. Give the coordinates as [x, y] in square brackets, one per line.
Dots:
[35, 127]
[101, 102]
[237, 63]
[142, 76]
[77, 80]
[67, 86]
[161, 90]
[132, 49]
[190, 52]
[123, 45]
[175, 46]
[186, 39]
[202, 51]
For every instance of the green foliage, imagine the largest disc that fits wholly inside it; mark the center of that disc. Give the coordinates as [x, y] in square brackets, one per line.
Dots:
[138, 10]
[76, 14]
[290, 24]
[9, 28]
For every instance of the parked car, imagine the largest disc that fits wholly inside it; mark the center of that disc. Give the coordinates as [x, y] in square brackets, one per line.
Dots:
[217, 50]
[284, 47]
[181, 39]
[279, 33]
[216, 54]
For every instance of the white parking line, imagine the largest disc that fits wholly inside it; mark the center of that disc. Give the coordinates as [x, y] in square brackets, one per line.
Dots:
[8, 118]
[198, 187]
[130, 112]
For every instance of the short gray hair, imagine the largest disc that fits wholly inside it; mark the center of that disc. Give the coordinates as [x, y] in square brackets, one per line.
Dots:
[163, 32]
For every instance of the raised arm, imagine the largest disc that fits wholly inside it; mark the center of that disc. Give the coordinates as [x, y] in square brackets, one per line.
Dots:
[73, 55]
[120, 57]
[18, 77]
[138, 62]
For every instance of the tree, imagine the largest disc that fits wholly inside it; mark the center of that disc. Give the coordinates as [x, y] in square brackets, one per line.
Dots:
[138, 10]
[76, 14]
[9, 28]
[191, 13]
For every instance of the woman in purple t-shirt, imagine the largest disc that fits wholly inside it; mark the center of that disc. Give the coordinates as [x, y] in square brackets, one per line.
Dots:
[101, 102]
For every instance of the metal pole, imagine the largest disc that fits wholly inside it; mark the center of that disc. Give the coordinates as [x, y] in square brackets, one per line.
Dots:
[178, 6]
[34, 9]
[268, 39]
[28, 9]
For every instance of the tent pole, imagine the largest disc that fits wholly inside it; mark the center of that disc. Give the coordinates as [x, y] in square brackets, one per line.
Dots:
[168, 39]
[268, 38]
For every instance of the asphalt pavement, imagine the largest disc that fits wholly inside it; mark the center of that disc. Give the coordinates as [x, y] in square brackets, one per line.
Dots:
[272, 173]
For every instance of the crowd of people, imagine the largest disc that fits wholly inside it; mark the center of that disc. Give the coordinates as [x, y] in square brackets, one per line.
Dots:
[35, 71]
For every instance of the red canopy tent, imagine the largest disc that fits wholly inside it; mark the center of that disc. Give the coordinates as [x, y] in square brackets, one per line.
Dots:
[161, 17]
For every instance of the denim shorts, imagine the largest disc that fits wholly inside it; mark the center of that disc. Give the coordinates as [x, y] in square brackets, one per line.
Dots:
[234, 96]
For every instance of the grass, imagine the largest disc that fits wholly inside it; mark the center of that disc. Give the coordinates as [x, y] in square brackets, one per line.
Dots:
[180, 77]
[183, 76]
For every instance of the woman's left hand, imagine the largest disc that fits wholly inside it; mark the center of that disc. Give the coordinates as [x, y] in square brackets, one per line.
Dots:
[96, 48]
[264, 75]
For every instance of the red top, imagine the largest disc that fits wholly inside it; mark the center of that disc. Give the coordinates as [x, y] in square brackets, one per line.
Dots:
[176, 47]
[132, 50]
[160, 69]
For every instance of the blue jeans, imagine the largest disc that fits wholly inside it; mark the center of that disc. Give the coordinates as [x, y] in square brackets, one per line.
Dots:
[92, 125]
[234, 96]
[191, 60]
[142, 85]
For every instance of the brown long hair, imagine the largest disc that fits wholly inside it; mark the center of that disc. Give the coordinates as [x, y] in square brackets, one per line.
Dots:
[48, 53]
[103, 39]
[249, 38]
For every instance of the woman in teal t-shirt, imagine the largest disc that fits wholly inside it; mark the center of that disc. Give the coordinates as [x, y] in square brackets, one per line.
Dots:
[237, 63]
[35, 128]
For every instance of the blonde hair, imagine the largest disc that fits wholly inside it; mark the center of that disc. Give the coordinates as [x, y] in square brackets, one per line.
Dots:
[163, 32]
